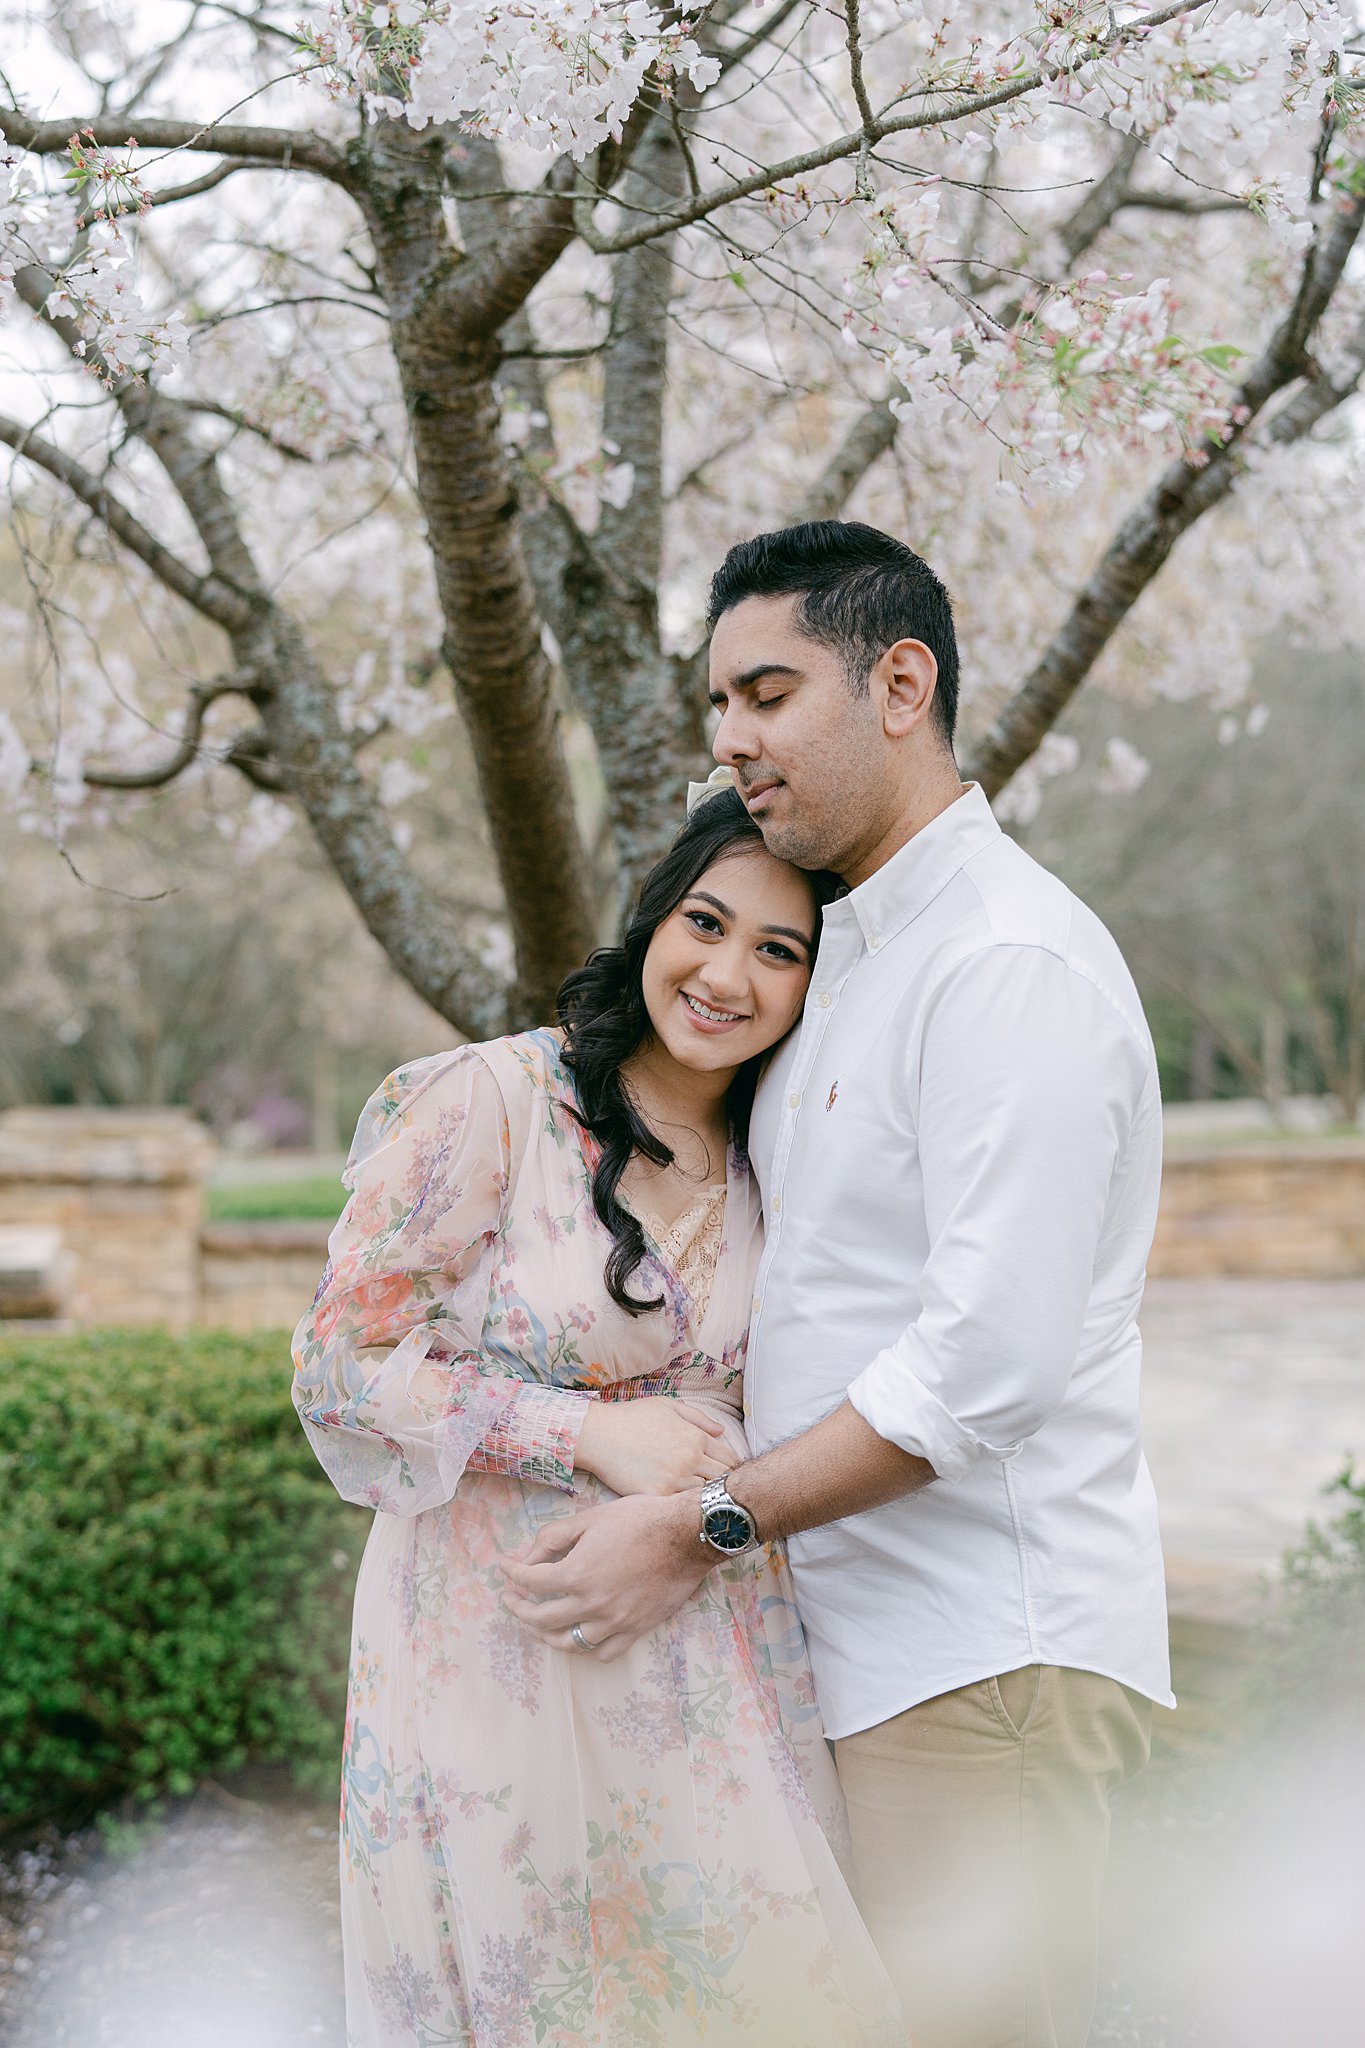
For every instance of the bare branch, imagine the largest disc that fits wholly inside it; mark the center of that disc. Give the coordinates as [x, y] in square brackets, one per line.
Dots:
[873, 432]
[1181, 495]
[187, 748]
[210, 595]
[212, 409]
[730, 60]
[636, 370]
[855, 73]
[869, 437]
[966, 107]
[1177, 202]
[288, 149]
[249, 754]
[193, 187]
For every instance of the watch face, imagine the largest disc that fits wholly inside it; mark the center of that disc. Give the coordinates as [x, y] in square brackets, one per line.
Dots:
[728, 1528]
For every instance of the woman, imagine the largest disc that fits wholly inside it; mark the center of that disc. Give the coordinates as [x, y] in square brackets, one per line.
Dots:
[539, 1293]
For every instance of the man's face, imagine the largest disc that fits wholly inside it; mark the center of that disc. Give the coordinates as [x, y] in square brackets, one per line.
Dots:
[809, 755]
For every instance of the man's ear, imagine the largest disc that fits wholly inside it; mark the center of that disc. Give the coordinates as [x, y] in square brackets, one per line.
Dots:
[908, 675]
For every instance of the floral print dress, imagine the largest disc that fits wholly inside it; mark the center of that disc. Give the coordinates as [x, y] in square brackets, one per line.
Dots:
[539, 1849]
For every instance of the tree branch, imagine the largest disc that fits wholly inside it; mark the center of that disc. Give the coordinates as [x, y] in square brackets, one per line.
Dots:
[192, 187]
[873, 432]
[210, 595]
[869, 437]
[1177, 202]
[161, 424]
[187, 748]
[636, 369]
[285, 148]
[967, 106]
[467, 489]
[764, 33]
[1181, 495]
[249, 754]
[303, 749]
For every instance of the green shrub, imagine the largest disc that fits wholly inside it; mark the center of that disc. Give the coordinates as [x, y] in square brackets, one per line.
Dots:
[175, 1571]
[1316, 1672]
[316, 1196]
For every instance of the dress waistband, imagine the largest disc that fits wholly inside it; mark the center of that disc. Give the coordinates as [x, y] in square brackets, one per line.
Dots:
[699, 1379]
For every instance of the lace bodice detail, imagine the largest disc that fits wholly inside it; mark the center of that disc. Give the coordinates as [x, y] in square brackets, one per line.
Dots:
[690, 1245]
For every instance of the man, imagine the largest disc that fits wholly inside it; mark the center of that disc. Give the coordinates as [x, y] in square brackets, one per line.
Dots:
[959, 1153]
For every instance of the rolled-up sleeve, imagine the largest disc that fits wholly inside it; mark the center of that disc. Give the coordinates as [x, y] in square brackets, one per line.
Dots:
[1027, 1079]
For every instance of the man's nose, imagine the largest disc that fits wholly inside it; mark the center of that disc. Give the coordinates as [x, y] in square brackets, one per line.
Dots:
[734, 739]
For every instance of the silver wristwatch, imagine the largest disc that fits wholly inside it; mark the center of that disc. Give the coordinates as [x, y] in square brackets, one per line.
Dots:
[725, 1525]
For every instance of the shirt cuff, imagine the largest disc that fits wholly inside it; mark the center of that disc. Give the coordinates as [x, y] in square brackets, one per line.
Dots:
[535, 1437]
[901, 1408]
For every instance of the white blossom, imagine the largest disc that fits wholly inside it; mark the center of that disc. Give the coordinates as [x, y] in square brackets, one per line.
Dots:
[549, 74]
[617, 484]
[1123, 769]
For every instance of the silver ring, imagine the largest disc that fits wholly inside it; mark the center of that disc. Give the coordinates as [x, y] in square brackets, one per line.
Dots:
[580, 1641]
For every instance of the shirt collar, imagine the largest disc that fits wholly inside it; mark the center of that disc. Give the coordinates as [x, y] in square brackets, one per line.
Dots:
[907, 883]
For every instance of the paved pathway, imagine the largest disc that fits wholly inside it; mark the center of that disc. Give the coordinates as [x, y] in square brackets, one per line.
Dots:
[1253, 1398]
[221, 1932]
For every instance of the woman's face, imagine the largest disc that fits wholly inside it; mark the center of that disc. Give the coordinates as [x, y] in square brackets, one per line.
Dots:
[726, 972]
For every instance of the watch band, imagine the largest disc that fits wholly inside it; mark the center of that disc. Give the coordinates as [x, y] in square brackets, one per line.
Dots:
[715, 1495]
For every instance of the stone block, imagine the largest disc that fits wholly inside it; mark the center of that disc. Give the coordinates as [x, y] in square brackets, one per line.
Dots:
[125, 1189]
[1270, 1212]
[260, 1276]
[35, 1272]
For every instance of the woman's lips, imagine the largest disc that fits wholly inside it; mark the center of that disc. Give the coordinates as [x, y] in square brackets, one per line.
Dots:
[712, 1026]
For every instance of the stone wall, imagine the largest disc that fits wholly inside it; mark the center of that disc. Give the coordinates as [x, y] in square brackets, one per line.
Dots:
[260, 1276]
[1273, 1212]
[125, 1189]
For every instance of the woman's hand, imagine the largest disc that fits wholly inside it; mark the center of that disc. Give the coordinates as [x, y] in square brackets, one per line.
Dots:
[653, 1445]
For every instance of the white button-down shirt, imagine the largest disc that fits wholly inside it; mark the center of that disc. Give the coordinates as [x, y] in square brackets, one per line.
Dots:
[959, 1151]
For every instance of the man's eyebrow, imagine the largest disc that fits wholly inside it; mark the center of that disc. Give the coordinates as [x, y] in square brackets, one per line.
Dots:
[751, 676]
[776, 931]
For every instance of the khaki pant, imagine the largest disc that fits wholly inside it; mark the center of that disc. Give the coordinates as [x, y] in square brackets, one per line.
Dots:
[980, 1825]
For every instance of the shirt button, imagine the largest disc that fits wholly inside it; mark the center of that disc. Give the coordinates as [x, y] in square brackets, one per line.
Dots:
[793, 1102]
[874, 942]
[755, 1305]
[823, 999]
[777, 1205]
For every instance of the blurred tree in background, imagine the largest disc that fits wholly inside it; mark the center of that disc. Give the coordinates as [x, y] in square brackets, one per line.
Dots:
[368, 471]
[1233, 875]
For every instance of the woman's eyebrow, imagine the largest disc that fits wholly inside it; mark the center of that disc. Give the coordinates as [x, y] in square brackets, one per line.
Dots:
[776, 931]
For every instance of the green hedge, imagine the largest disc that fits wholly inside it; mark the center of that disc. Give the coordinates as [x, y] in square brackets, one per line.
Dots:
[317, 1197]
[175, 1571]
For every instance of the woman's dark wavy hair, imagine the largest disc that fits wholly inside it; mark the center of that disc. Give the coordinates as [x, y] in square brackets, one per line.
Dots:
[602, 1009]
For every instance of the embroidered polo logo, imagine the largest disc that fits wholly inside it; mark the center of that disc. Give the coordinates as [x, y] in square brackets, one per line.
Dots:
[832, 1097]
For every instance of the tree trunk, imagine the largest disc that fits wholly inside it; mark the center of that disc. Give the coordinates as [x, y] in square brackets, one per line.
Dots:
[493, 626]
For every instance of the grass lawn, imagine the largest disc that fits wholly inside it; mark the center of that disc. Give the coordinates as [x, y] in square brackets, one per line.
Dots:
[275, 1201]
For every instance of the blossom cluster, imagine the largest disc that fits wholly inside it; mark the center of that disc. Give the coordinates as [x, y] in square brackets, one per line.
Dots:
[121, 336]
[547, 74]
[91, 260]
[1074, 361]
[1218, 85]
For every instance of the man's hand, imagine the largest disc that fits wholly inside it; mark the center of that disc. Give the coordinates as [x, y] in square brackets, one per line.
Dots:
[616, 1572]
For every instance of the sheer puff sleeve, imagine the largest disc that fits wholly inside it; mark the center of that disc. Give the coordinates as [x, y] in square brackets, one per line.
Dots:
[390, 1381]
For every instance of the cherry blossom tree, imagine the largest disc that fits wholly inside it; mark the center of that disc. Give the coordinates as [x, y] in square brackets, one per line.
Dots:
[420, 362]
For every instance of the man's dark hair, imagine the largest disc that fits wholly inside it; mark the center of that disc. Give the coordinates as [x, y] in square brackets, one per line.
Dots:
[860, 591]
